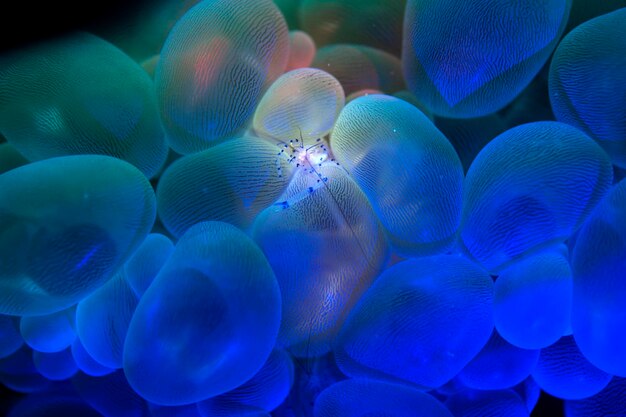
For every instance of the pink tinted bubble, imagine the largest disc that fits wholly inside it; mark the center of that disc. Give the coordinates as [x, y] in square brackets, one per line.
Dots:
[301, 50]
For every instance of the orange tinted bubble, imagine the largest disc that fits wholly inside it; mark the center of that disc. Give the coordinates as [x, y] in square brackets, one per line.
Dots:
[301, 50]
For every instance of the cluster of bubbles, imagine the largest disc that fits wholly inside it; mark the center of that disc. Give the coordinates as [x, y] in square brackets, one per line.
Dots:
[318, 208]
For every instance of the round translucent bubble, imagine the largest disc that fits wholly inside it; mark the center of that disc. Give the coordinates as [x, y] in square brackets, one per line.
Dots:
[52, 404]
[231, 182]
[56, 366]
[266, 390]
[530, 187]
[326, 246]
[49, 333]
[611, 401]
[86, 363]
[406, 167]
[359, 67]
[529, 392]
[213, 68]
[303, 103]
[363, 397]
[141, 269]
[66, 225]
[498, 365]
[469, 59]
[366, 22]
[430, 315]
[110, 395]
[563, 371]
[599, 269]
[10, 158]
[487, 404]
[80, 95]
[533, 300]
[226, 303]
[10, 337]
[301, 50]
[111, 307]
[588, 84]
[18, 373]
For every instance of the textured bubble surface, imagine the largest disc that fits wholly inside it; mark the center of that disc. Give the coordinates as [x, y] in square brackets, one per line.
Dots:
[468, 59]
[588, 84]
[216, 48]
[66, 225]
[487, 404]
[406, 167]
[430, 315]
[207, 323]
[80, 95]
[49, 333]
[553, 176]
[609, 402]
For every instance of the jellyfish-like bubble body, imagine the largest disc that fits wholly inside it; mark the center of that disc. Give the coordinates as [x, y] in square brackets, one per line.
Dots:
[406, 167]
[530, 187]
[80, 95]
[49, 333]
[141, 269]
[468, 59]
[56, 366]
[301, 50]
[213, 69]
[207, 323]
[430, 317]
[66, 225]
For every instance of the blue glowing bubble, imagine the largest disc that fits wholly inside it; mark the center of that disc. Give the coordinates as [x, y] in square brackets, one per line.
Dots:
[533, 300]
[110, 395]
[18, 372]
[266, 390]
[326, 246]
[498, 365]
[563, 372]
[50, 333]
[10, 337]
[588, 84]
[213, 69]
[112, 307]
[406, 167]
[363, 397]
[80, 95]
[472, 403]
[10, 158]
[430, 317]
[358, 67]
[56, 366]
[231, 182]
[529, 392]
[207, 323]
[611, 401]
[86, 363]
[141, 269]
[532, 186]
[66, 225]
[599, 269]
[469, 59]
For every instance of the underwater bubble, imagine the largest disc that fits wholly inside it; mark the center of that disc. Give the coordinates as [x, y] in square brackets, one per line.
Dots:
[231, 182]
[86, 363]
[472, 403]
[111, 307]
[18, 373]
[563, 372]
[50, 333]
[213, 69]
[530, 187]
[363, 397]
[421, 321]
[326, 246]
[207, 323]
[588, 84]
[141, 269]
[10, 158]
[599, 270]
[301, 50]
[55, 366]
[407, 168]
[533, 300]
[468, 59]
[80, 95]
[498, 365]
[359, 67]
[302, 104]
[10, 337]
[66, 225]
[611, 401]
